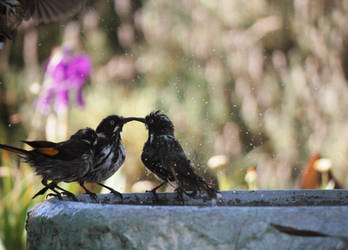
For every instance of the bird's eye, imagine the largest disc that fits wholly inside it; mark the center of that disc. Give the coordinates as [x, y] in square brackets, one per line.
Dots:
[112, 122]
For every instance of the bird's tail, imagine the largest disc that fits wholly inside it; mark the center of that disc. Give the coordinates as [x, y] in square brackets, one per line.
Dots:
[18, 151]
[201, 185]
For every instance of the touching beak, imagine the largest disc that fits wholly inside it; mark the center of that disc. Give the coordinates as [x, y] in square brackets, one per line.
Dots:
[125, 120]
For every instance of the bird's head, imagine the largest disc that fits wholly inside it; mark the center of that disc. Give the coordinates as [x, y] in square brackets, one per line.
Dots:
[158, 123]
[113, 125]
[87, 135]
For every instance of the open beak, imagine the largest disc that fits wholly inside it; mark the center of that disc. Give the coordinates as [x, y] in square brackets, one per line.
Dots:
[128, 119]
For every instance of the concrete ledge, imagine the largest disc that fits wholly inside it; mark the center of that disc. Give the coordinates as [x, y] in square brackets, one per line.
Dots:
[239, 220]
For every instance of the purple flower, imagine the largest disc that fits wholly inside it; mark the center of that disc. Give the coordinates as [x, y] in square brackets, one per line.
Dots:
[65, 72]
[44, 100]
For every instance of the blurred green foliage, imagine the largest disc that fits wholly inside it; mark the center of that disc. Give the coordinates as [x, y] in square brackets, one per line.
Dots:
[262, 83]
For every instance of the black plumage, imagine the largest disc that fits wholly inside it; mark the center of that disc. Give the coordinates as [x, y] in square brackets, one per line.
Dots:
[109, 152]
[13, 12]
[163, 155]
[66, 161]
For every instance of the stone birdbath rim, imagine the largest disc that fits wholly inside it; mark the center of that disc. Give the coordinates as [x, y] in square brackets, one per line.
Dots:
[302, 197]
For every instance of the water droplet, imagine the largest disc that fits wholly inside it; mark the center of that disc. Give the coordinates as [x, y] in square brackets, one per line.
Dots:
[9, 125]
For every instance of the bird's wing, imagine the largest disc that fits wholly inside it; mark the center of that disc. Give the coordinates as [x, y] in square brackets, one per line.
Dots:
[51, 10]
[44, 147]
[175, 158]
[40, 144]
[68, 150]
[73, 149]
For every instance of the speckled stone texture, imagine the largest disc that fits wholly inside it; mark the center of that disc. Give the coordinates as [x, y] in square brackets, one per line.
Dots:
[104, 224]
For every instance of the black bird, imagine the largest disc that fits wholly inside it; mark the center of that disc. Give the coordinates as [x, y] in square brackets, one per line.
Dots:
[13, 12]
[109, 152]
[163, 155]
[66, 161]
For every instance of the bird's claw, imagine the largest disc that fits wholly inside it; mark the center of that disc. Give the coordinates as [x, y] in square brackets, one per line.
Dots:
[70, 195]
[54, 195]
[179, 194]
[117, 194]
[93, 196]
[154, 195]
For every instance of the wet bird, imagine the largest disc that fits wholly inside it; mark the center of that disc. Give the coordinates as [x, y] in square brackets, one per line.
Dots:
[163, 155]
[13, 12]
[66, 161]
[109, 152]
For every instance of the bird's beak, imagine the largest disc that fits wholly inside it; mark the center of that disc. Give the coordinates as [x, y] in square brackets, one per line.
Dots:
[125, 120]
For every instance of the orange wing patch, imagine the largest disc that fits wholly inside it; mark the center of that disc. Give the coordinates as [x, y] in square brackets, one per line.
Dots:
[48, 151]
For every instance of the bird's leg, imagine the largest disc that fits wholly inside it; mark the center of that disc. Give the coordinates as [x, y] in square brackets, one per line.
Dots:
[43, 190]
[157, 187]
[193, 194]
[50, 186]
[111, 190]
[192, 185]
[67, 193]
[179, 190]
[153, 191]
[93, 195]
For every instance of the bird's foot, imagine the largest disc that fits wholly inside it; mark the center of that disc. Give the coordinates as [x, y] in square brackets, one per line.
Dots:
[154, 194]
[179, 195]
[70, 195]
[117, 194]
[111, 190]
[59, 196]
[93, 196]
